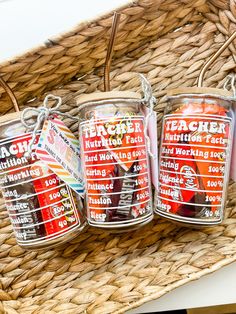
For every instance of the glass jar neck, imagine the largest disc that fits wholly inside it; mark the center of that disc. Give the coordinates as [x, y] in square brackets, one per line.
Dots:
[198, 103]
[110, 108]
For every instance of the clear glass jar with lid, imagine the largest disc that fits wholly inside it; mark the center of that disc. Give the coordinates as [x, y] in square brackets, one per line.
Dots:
[115, 160]
[195, 152]
[43, 210]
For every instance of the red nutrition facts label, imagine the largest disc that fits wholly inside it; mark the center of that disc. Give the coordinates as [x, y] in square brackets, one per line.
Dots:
[193, 158]
[39, 204]
[116, 170]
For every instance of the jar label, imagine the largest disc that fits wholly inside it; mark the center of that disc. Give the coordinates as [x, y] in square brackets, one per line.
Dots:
[194, 155]
[116, 170]
[40, 205]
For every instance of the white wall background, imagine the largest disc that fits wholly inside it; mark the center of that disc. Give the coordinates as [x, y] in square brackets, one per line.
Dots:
[25, 24]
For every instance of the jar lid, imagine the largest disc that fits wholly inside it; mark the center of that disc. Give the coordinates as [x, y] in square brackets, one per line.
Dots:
[10, 117]
[80, 100]
[199, 90]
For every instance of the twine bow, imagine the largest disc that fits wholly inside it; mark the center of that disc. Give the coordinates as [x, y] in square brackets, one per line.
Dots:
[230, 81]
[42, 113]
[149, 100]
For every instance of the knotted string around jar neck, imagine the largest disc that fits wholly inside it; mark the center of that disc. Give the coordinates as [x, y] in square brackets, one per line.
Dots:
[42, 114]
[149, 100]
[230, 82]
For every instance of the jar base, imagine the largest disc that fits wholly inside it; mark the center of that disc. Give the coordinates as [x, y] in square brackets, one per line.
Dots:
[121, 229]
[183, 222]
[55, 243]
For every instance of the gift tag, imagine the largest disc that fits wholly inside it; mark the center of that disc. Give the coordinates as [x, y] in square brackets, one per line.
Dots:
[59, 149]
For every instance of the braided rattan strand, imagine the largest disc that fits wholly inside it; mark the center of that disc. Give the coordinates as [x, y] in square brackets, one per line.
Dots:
[99, 272]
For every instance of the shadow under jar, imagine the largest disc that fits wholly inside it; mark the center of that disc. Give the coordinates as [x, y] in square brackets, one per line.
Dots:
[115, 160]
[43, 210]
[195, 153]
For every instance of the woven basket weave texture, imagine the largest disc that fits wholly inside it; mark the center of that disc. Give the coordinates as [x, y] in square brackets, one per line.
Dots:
[98, 272]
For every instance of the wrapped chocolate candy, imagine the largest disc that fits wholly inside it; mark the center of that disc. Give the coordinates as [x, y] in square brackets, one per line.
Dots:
[43, 210]
[115, 158]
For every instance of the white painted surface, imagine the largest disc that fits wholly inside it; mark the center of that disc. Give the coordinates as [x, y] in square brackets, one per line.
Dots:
[25, 24]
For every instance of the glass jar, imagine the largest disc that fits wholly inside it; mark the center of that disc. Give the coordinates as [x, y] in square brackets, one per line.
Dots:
[115, 158]
[43, 210]
[195, 152]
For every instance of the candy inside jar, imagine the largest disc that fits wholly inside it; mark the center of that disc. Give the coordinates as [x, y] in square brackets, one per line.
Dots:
[115, 159]
[195, 152]
[43, 210]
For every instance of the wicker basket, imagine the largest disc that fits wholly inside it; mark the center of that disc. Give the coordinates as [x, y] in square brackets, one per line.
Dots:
[98, 272]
